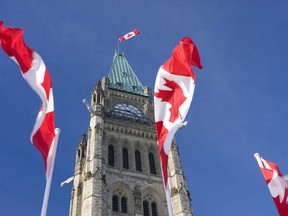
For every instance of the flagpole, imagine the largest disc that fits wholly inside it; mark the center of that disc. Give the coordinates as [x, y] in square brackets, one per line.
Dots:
[49, 173]
[118, 45]
[169, 201]
[258, 158]
[167, 193]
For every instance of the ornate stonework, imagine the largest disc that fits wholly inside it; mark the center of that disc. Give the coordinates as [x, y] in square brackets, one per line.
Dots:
[113, 170]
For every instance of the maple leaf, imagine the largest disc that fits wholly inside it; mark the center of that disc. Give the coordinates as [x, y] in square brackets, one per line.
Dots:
[129, 35]
[278, 186]
[175, 97]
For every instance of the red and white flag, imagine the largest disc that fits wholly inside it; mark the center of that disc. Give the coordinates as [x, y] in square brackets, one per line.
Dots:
[1, 27]
[174, 89]
[129, 35]
[35, 73]
[277, 184]
[44, 135]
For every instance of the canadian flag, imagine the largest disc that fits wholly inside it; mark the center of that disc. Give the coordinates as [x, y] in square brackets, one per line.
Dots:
[129, 35]
[277, 184]
[1, 27]
[36, 74]
[173, 93]
[44, 135]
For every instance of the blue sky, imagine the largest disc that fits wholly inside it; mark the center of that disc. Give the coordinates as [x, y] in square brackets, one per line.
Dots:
[239, 106]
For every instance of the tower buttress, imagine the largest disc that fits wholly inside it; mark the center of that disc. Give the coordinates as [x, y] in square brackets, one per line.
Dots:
[179, 193]
[94, 177]
[76, 196]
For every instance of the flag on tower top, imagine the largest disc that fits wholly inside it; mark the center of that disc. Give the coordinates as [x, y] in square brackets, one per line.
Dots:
[129, 35]
[277, 184]
[174, 89]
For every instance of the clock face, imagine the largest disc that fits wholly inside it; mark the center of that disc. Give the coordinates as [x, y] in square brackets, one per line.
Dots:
[127, 109]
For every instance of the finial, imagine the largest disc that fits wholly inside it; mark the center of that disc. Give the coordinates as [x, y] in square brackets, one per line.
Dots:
[256, 155]
[258, 158]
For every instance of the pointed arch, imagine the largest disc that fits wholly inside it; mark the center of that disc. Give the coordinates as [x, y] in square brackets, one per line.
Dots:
[121, 197]
[151, 201]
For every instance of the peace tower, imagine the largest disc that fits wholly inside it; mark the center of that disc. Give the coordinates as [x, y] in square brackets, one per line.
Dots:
[117, 169]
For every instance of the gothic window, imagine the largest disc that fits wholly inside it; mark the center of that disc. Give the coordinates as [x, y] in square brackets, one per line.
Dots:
[111, 161]
[149, 206]
[94, 97]
[115, 203]
[123, 204]
[125, 158]
[120, 201]
[138, 161]
[98, 98]
[154, 209]
[146, 208]
[78, 155]
[152, 163]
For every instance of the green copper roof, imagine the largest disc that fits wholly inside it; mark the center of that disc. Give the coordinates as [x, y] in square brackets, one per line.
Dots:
[122, 76]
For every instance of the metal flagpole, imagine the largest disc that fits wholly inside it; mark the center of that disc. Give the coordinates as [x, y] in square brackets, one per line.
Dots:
[118, 46]
[258, 158]
[49, 173]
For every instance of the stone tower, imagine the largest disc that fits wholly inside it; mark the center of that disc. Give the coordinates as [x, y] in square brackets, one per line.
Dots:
[117, 170]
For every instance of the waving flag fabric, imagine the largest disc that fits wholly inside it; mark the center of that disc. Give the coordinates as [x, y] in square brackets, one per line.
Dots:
[35, 73]
[1, 27]
[129, 35]
[174, 89]
[44, 135]
[277, 184]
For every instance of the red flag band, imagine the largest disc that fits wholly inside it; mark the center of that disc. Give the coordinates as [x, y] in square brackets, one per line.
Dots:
[174, 88]
[129, 35]
[36, 74]
[277, 184]
[1, 27]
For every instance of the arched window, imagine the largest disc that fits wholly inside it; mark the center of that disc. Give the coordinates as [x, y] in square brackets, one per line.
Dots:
[78, 158]
[120, 201]
[154, 209]
[138, 161]
[149, 206]
[98, 98]
[152, 163]
[111, 161]
[124, 204]
[125, 158]
[115, 203]
[145, 208]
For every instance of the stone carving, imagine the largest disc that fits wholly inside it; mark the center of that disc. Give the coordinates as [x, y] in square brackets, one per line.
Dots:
[137, 199]
[98, 128]
[174, 191]
[88, 175]
[79, 189]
